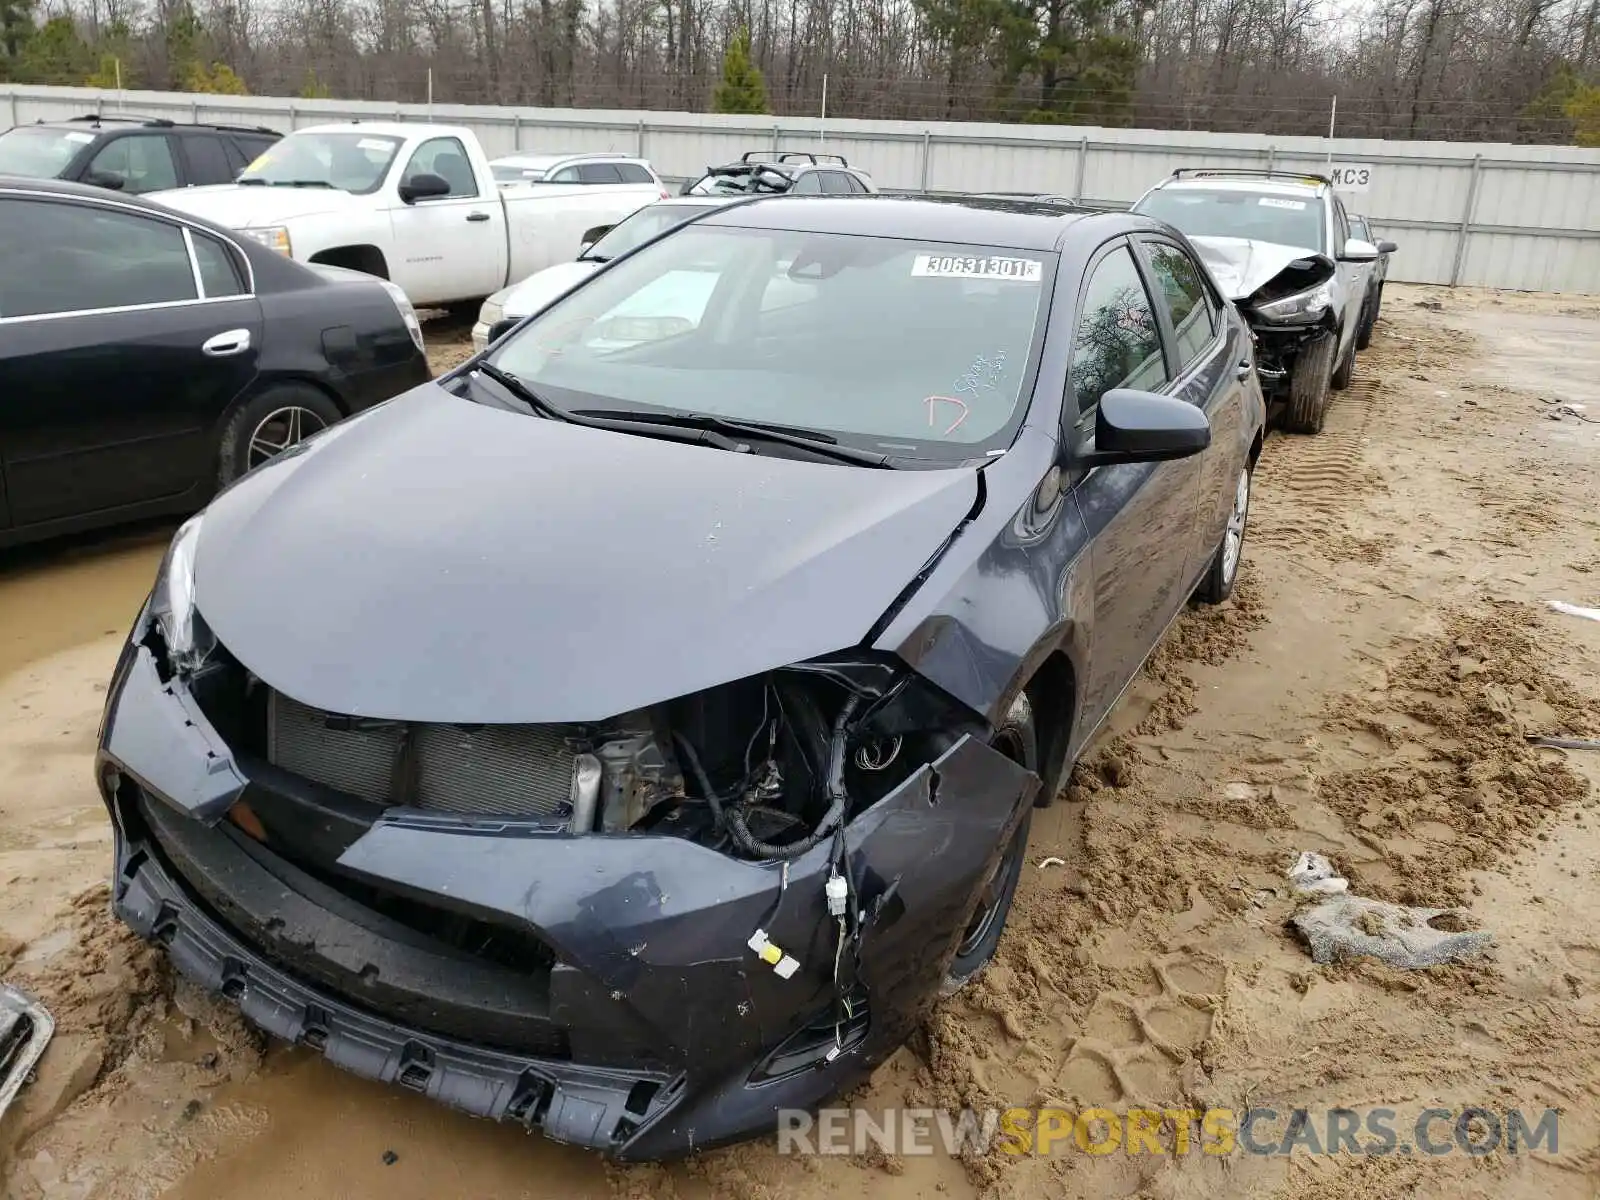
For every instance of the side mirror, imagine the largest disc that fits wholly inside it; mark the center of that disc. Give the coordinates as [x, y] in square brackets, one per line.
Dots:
[103, 179]
[1134, 427]
[502, 327]
[423, 187]
[1387, 247]
[1355, 250]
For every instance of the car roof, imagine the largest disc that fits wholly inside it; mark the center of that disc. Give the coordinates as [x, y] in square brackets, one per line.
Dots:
[1272, 185]
[973, 220]
[120, 122]
[534, 160]
[398, 129]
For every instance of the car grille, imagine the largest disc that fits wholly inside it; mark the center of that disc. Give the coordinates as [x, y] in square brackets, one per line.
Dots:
[487, 770]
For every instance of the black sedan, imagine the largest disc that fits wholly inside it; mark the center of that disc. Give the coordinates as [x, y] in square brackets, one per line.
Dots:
[147, 357]
[635, 732]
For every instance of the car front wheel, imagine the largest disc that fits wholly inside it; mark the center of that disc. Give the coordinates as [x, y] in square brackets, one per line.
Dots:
[1017, 740]
[1309, 384]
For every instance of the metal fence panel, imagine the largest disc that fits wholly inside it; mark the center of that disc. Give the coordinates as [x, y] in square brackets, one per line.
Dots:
[1522, 217]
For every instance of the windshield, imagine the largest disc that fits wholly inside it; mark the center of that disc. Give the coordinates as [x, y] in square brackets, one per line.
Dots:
[40, 153]
[352, 162]
[918, 350]
[1265, 217]
[640, 228]
[504, 173]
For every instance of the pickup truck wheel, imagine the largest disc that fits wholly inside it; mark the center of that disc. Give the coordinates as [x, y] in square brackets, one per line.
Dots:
[268, 424]
[1308, 385]
[1347, 367]
[1220, 576]
[1017, 740]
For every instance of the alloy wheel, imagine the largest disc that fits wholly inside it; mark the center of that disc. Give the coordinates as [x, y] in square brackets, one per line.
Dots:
[1233, 541]
[280, 429]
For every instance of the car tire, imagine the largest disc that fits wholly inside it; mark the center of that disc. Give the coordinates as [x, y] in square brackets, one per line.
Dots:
[1018, 740]
[277, 418]
[1223, 572]
[1347, 367]
[1369, 318]
[1309, 385]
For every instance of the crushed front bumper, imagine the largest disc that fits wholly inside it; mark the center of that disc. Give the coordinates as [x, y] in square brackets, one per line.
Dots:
[653, 1030]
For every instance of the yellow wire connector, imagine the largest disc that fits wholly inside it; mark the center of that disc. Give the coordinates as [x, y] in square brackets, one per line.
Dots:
[772, 954]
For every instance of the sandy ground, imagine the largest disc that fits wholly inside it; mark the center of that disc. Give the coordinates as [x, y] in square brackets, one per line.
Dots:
[1366, 695]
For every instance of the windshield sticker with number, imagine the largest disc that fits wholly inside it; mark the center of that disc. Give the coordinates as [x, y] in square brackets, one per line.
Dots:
[1275, 202]
[956, 266]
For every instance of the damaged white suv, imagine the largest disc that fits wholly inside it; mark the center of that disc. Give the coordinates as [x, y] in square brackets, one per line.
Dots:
[1278, 245]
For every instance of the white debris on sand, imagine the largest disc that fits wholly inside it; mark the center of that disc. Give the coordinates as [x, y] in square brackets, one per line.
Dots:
[1345, 926]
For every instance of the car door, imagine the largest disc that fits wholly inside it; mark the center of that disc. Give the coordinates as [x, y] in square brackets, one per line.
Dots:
[1352, 275]
[123, 339]
[450, 247]
[206, 159]
[142, 162]
[1211, 369]
[1139, 517]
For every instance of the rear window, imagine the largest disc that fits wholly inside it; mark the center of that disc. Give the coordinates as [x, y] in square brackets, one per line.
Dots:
[40, 153]
[509, 174]
[1286, 220]
[598, 173]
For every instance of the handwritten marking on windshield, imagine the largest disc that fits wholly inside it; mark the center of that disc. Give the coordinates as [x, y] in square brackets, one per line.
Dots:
[959, 403]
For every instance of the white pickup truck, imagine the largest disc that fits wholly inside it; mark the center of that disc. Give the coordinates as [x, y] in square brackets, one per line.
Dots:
[415, 204]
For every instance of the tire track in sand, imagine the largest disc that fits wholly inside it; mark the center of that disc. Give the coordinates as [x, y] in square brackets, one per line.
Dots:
[1311, 482]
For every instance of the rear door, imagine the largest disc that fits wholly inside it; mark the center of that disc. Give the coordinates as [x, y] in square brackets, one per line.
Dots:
[1352, 274]
[123, 339]
[207, 159]
[1140, 516]
[1211, 369]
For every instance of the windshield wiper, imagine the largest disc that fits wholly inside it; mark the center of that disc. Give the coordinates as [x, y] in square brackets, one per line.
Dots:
[307, 183]
[617, 423]
[823, 444]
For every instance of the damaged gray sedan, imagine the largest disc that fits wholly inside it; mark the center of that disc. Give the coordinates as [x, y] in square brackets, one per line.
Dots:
[635, 732]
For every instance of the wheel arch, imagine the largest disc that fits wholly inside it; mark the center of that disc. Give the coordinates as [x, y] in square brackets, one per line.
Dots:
[1052, 690]
[363, 256]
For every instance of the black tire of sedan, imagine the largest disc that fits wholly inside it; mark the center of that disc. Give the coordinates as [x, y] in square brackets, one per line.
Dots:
[1017, 739]
[1310, 384]
[268, 423]
[1223, 572]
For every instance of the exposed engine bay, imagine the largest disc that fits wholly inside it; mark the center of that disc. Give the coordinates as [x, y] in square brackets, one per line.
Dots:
[1293, 307]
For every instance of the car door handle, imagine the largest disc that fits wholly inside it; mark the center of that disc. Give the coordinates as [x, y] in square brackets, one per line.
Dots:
[234, 341]
[477, 216]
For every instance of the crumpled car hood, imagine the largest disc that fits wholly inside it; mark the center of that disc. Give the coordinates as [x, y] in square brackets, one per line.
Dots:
[433, 559]
[1242, 265]
[241, 206]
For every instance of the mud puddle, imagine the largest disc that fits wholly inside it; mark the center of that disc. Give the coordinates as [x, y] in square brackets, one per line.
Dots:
[1366, 695]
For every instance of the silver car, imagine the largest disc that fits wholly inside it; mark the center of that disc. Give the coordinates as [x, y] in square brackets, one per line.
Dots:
[1279, 245]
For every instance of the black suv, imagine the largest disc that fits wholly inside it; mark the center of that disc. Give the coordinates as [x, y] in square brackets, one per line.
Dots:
[132, 154]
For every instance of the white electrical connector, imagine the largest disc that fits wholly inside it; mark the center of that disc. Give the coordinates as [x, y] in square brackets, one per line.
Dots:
[837, 892]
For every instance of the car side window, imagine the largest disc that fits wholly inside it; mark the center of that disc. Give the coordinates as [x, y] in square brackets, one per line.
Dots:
[565, 175]
[208, 159]
[599, 173]
[1358, 228]
[1118, 343]
[1341, 228]
[63, 258]
[809, 183]
[219, 274]
[633, 173]
[447, 158]
[143, 161]
[856, 186]
[1188, 303]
